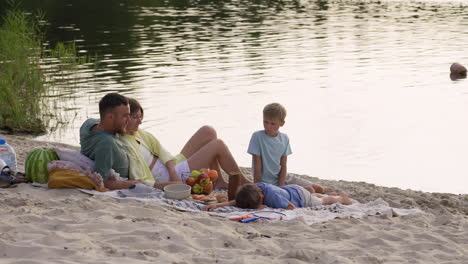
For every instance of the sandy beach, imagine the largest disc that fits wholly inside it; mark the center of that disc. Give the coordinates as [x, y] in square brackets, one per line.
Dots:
[40, 225]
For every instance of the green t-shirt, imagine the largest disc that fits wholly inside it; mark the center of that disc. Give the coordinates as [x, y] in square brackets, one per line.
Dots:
[104, 148]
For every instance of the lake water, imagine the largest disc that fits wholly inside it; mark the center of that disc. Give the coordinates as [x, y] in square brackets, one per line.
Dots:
[366, 83]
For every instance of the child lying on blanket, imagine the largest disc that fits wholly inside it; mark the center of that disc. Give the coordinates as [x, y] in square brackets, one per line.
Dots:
[261, 195]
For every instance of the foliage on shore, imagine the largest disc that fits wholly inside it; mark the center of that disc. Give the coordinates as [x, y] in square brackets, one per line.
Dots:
[26, 84]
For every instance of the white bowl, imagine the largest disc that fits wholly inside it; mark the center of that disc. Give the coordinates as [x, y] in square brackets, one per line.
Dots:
[177, 191]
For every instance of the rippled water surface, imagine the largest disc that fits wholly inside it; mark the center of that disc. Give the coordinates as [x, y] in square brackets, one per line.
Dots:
[366, 83]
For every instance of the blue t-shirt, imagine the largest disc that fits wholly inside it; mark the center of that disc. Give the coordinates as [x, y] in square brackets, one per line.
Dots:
[278, 197]
[270, 149]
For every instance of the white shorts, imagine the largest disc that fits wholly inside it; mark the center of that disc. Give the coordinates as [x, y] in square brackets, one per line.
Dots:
[308, 198]
[161, 174]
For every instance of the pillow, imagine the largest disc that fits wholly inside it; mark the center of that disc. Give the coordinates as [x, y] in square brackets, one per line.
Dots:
[66, 165]
[76, 157]
[60, 178]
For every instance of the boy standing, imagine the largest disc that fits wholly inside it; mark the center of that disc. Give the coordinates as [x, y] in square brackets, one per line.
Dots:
[270, 149]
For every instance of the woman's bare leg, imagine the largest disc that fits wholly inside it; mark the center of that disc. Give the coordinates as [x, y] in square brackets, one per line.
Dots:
[216, 150]
[202, 137]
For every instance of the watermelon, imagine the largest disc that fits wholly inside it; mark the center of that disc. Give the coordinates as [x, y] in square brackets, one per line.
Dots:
[36, 164]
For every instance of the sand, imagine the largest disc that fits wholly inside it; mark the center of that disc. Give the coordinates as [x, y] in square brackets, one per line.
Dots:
[39, 225]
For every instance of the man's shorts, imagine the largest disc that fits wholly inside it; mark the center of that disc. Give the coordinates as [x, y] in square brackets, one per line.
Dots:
[308, 198]
[161, 174]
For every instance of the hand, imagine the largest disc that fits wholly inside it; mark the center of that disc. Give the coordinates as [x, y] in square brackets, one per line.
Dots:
[210, 207]
[290, 206]
[161, 185]
[216, 205]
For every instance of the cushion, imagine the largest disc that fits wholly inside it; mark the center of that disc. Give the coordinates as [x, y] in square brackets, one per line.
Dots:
[66, 165]
[76, 157]
[61, 178]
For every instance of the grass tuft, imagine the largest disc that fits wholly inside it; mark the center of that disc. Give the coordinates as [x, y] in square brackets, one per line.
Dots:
[25, 85]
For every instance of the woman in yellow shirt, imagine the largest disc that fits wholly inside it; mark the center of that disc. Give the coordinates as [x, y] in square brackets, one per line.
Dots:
[150, 163]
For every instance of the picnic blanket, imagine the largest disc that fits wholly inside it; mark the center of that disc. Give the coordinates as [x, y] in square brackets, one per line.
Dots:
[308, 215]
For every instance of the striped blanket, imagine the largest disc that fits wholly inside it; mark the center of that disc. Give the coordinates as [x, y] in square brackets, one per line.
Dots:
[308, 215]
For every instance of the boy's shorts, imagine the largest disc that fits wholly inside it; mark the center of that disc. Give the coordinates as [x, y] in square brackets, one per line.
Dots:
[292, 179]
[308, 198]
[161, 174]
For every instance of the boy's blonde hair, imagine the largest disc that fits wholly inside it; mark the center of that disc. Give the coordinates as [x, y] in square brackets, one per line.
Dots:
[275, 111]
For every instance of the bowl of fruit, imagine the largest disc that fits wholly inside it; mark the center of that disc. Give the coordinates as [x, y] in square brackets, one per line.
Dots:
[201, 181]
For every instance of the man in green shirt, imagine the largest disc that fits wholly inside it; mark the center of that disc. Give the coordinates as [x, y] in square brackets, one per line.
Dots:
[99, 140]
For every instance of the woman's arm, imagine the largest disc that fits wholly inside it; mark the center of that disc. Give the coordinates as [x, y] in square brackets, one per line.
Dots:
[257, 173]
[216, 205]
[283, 171]
[161, 185]
[170, 165]
[113, 184]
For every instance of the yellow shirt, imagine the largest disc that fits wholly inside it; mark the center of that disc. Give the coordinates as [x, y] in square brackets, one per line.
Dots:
[138, 169]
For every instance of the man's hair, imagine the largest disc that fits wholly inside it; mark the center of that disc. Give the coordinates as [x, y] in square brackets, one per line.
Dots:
[135, 106]
[249, 196]
[274, 111]
[109, 102]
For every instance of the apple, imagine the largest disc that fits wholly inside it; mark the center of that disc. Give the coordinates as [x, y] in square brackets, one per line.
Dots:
[205, 170]
[203, 179]
[190, 181]
[197, 189]
[207, 189]
[213, 174]
[194, 174]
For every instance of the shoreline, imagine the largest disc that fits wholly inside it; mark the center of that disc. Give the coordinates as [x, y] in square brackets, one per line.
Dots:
[361, 191]
[67, 226]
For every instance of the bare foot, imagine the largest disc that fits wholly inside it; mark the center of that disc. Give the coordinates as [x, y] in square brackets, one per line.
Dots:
[344, 199]
[317, 188]
[310, 189]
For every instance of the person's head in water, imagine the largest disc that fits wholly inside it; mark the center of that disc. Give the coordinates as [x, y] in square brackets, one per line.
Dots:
[457, 71]
[457, 68]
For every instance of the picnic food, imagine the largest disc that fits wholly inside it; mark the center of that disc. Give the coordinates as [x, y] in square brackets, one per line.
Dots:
[205, 170]
[194, 174]
[36, 164]
[197, 189]
[207, 189]
[203, 179]
[190, 181]
[201, 197]
[213, 174]
[201, 184]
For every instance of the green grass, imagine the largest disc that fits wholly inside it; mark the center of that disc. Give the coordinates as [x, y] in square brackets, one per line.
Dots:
[25, 84]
